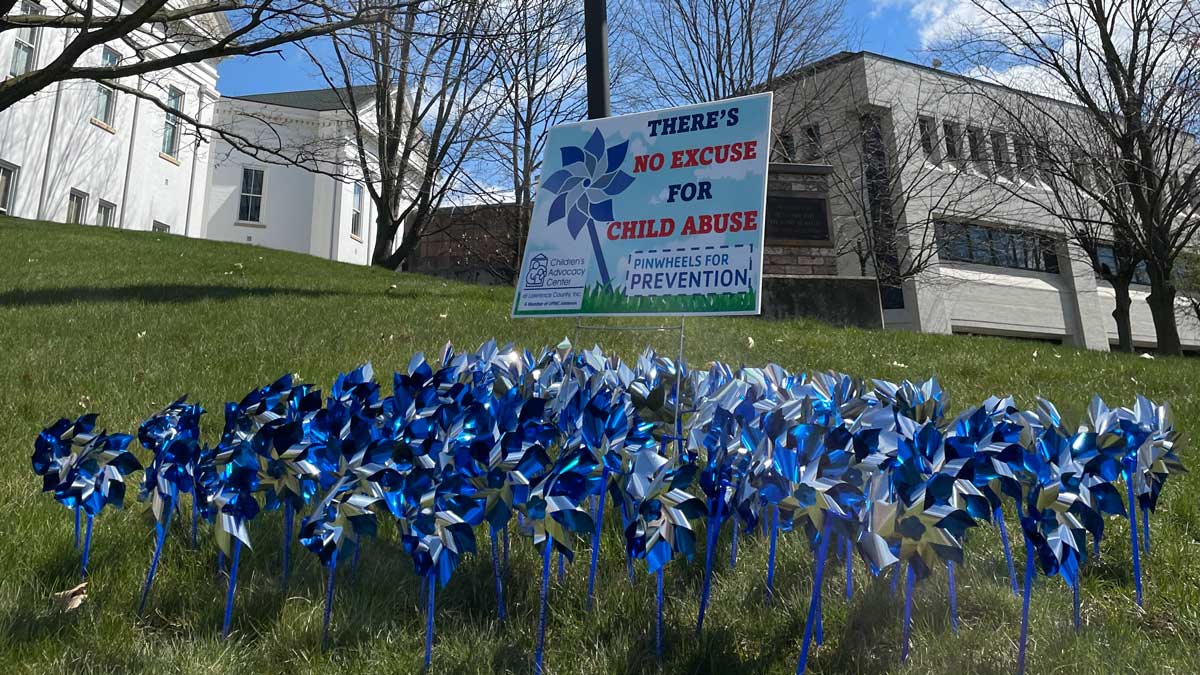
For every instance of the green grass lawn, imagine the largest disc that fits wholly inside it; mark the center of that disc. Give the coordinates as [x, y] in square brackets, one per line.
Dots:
[122, 323]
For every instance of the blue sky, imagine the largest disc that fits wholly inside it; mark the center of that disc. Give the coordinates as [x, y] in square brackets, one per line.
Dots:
[884, 26]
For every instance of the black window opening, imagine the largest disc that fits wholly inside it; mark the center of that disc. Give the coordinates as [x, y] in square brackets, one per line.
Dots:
[1107, 257]
[928, 144]
[797, 219]
[953, 141]
[997, 247]
[812, 142]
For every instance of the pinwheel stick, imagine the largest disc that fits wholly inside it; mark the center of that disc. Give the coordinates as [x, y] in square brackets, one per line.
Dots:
[429, 596]
[1133, 538]
[771, 555]
[998, 516]
[562, 567]
[953, 597]
[506, 546]
[591, 588]
[87, 547]
[499, 583]
[76, 510]
[849, 568]
[233, 574]
[195, 521]
[1027, 592]
[906, 631]
[714, 530]
[818, 578]
[329, 582]
[658, 625]
[541, 635]
[819, 633]
[163, 528]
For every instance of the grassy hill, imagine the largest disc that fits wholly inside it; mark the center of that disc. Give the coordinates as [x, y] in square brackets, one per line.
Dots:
[122, 323]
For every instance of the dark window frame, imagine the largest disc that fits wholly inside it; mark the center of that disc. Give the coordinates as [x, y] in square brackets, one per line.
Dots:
[994, 246]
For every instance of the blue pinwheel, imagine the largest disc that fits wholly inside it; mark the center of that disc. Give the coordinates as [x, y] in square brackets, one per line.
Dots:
[591, 176]
[85, 470]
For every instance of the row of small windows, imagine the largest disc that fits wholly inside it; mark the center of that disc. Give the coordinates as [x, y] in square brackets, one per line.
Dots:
[995, 246]
[25, 57]
[78, 202]
[810, 135]
[986, 151]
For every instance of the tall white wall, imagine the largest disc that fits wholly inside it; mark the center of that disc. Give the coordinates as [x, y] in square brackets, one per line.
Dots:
[54, 140]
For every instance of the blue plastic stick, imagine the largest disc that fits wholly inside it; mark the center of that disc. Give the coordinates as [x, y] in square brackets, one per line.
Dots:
[288, 517]
[771, 555]
[658, 625]
[562, 567]
[541, 637]
[1028, 590]
[1133, 537]
[233, 571]
[158, 547]
[629, 565]
[591, 589]
[714, 529]
[998, 515]
[76, 544]
[818, 577]
[429, 595]
[819, 634]
[849, 569]
[329, 581]
[499, 583]
[906, 632]
[953, 597]
[87, 547]
[1146, 529]
[1075, 598]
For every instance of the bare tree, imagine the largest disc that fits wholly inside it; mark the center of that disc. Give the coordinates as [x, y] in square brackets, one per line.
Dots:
[541, 76]
[1131, 66]
[430, 97]
[160, 35]
[693, 51]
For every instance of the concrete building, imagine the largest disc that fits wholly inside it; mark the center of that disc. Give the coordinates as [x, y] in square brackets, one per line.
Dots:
[82, 152]
[308, 195]
[915, 148]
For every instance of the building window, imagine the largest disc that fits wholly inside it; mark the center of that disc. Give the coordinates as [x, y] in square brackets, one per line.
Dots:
[1107, 257]
[928, 139]
[106, 214]
[77, 207]
[812, 142]
[787, 144]
[356, 209]
[953, 140]
[173, 125]
[106, 96]
[1000, 152]
[8, 187]
[977, 148]
[998, 247]
[160, 227]
[1023, 155]
[250, 205]
[25, 48]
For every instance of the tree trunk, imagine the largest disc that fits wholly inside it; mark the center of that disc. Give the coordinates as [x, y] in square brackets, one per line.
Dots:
[1120, 314]
[408, 246]
[385, 232]
[1162, 308]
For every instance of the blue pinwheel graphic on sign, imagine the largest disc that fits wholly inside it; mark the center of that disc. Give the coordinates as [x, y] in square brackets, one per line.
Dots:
[591, 176]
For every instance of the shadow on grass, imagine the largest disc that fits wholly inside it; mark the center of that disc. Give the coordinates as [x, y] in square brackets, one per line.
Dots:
[168, 294]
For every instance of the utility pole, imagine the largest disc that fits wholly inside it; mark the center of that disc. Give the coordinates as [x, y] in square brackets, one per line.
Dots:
[595, 29]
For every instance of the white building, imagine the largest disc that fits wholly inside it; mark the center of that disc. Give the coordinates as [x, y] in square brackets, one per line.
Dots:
[315, 206]
[1027, 280]
[81, 152]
